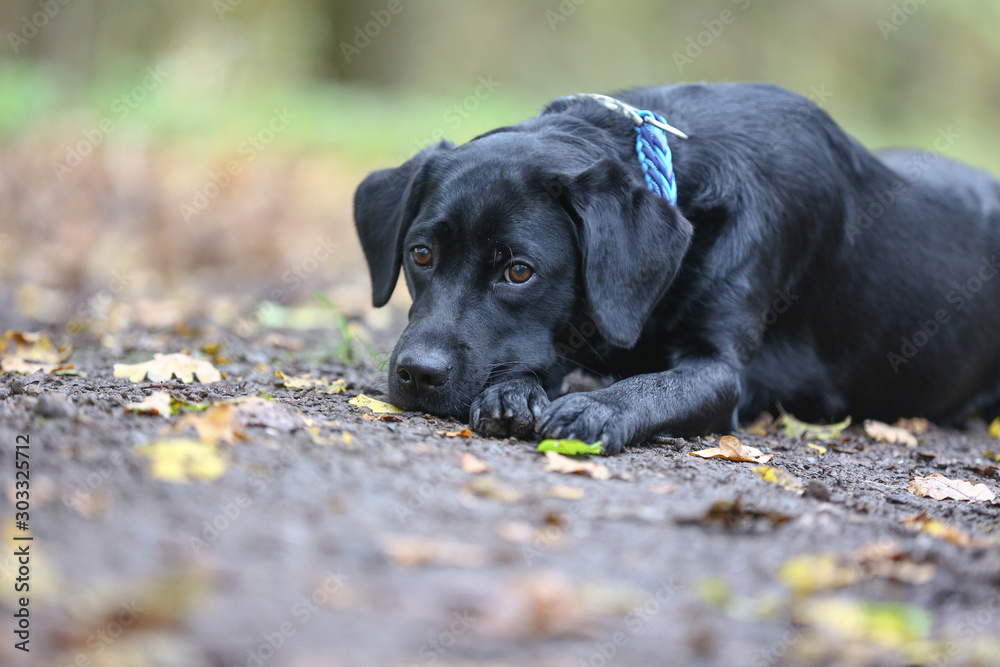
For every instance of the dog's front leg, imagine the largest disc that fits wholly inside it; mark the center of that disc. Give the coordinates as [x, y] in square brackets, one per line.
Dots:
[509, 408]
[695, 397]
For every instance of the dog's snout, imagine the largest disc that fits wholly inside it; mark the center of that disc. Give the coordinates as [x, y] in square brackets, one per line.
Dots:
[421, 374]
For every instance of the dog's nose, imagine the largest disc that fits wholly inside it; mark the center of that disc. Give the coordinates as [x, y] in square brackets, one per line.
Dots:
[422, 374]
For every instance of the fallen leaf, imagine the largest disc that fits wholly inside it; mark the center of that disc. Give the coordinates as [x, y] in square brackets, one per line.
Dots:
[888, 560]
[809, 573]
[165, 366]
[564, 492]
[487, 487]
[732, 449]
[22, 367]
[473, 465]
[819, 448]
[556, 462]
[182, 460]
[851, 623]
[464, 433]
[378, 407]
[779, 477]
[569, 447]
[762, 426]
[215, 425]
[939, 487]
[423, 551]
[916, 426]
[34, 347]
[735, 517]
[307, 381]
[157, 403]
[922, 523]
[990, 455]
[794, 428]
[894, 435]
[995, 428]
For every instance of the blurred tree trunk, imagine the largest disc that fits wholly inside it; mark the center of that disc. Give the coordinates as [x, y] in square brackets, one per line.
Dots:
[368, 43]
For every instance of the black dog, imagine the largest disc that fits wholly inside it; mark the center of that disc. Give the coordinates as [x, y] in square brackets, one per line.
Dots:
[796, 268]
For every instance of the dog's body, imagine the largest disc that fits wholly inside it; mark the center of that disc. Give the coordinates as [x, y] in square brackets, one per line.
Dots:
[796, 268]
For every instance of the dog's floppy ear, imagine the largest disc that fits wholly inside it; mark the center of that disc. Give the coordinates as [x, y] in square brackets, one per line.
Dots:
[384, 206]
[632, 244]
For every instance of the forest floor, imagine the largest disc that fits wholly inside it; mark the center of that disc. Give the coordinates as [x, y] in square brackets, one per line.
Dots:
[303, 530]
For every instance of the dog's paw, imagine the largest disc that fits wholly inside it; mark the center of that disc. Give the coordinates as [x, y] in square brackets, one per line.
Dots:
[585, 417]
[508, 408]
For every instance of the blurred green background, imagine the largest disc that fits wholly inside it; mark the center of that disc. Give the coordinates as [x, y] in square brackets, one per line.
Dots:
[155, 98]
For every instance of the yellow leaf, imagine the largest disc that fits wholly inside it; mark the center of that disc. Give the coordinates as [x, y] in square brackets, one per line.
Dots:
[182, 460]
[995, 428]
[855, 622]
[894, 435]
[157, 403]
[214, 425]
[9, 364]
[33, 347]
[819, 448]
[779, 477]
[556, 462]
[378, 407]
[794, 428]
[732, 449]
[307, 381]
[165, 366]
[924, 524]
[817, 572]
[473, 465]
[939, 487]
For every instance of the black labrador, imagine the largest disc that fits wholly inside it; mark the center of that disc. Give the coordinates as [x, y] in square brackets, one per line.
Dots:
[797, 268]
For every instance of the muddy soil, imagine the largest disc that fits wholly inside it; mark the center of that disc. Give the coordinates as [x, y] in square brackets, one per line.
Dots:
[337, 539]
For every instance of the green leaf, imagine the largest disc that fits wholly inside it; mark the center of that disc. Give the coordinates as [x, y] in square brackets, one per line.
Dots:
[793, 428]
[569, 447]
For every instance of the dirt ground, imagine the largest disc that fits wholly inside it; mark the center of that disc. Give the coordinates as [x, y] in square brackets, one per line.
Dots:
[334, 538]
[309, 533]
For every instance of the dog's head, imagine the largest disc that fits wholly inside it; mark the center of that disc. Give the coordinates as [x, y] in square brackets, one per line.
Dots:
[504, 242]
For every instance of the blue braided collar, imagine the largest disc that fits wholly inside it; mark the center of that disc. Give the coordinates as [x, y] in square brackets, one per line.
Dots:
[651, 145]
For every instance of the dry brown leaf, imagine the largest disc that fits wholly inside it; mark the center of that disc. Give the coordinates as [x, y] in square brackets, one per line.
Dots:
[894, 435]
[165, 366]
[157, 403]
[762, 426]
[473, 465]
[214, 425]
[464, 433]
[732, 449]
[564, 492]
[916, 426]
[925, 524]
[556, 462]
[412, 551]
[17, 365]
[939, 487]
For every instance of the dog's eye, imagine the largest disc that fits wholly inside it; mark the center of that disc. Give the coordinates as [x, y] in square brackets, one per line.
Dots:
[421, 255]
[519, 273]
